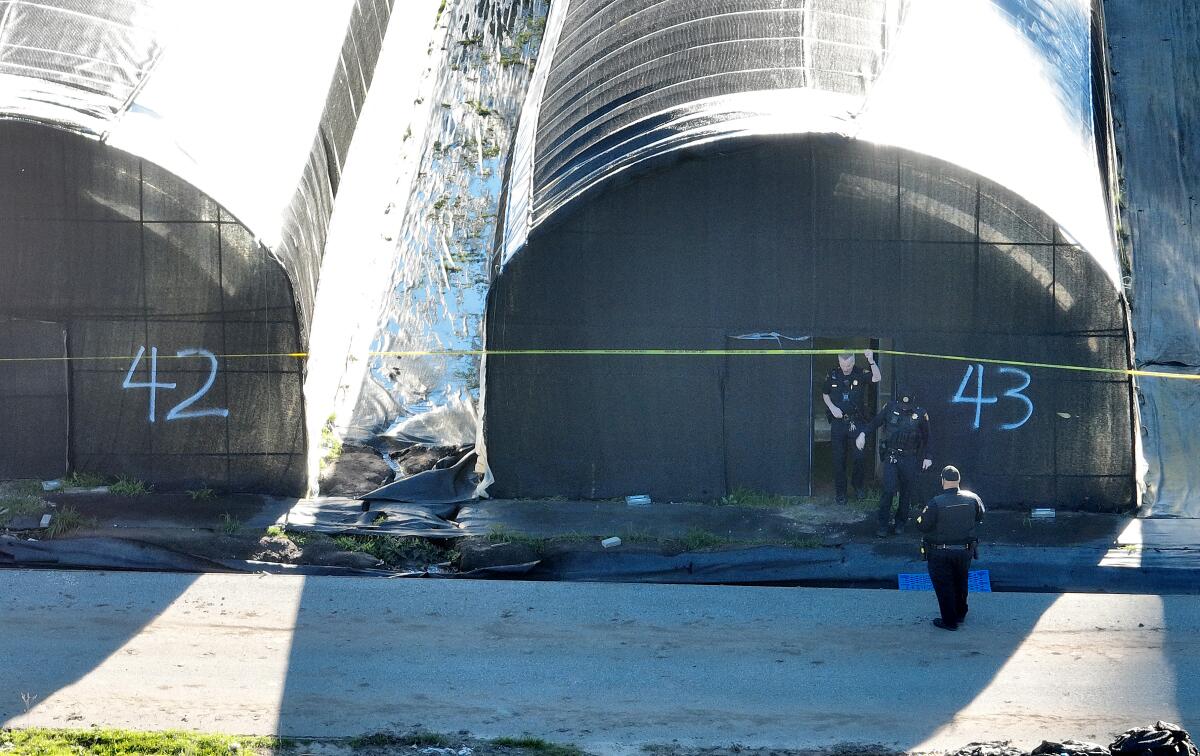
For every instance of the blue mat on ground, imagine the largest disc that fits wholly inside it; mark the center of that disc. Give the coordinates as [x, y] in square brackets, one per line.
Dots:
[977, 580]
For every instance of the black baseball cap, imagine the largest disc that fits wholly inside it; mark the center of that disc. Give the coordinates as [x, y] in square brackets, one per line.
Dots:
[950, 473]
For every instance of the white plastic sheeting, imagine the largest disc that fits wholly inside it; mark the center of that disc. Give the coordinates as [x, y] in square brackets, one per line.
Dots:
[76, 64]
[1000, 87]
[1155, 55]
[224, 94]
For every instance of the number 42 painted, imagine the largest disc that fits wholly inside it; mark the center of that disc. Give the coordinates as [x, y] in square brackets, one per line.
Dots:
[179, 411]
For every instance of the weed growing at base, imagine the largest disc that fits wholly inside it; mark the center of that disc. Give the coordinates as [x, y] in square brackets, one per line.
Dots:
[129, 487]
[17, 505]
[78, 479]
[395, 550]
[67, 520]
[230, 525]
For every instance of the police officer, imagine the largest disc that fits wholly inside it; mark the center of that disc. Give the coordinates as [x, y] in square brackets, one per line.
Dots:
[845, 394]
[905, 441]
[949, 522]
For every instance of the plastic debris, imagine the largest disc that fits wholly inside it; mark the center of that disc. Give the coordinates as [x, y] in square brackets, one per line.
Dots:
[609, 543]
[1069, 748]
[638, 500]
[1163, 739]
[1042, 513]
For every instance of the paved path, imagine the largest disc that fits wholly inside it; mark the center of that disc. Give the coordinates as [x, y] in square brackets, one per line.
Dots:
[608, 666]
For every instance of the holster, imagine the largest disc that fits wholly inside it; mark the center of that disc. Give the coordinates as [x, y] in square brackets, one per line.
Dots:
[926, 547]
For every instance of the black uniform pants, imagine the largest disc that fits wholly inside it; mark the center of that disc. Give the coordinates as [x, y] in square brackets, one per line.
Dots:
[898, 477]
[842, 439]
[948, 569]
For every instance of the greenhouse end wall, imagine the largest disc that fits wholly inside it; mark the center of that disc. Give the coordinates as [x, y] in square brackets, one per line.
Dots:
[802, 237]
[173, 321]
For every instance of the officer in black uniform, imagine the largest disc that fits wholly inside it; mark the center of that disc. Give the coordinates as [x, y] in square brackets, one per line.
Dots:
[845, 395]
[905, 451]
[949, 522]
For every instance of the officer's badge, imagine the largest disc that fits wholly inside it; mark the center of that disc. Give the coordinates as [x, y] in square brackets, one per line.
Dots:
[855, 382]
[915, 416]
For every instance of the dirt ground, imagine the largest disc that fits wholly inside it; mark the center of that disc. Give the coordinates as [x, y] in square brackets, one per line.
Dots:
[240, 527]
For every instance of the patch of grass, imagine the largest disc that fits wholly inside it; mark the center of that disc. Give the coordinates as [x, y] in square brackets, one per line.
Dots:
[746, 497]
[392, 740]
[300, 539]
[39, 741]
[349, 543]
[19, 505]
[698, 538]
[275, 531]
[66, 520]
[869, 502]
[500, 534]
[230, 525]
[79, 479]
[129, 487]
[201, 494]
[503, 534]
[395, 550]
[23, 487]
[537, 745]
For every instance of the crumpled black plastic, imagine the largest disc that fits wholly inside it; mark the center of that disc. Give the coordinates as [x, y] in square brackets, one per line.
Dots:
[1163, 739]
[1069, 748]
[989, 748]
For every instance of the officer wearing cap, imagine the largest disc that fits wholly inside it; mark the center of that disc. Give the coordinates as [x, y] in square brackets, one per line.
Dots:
[845, 394]
[905, 451]
[949, 522]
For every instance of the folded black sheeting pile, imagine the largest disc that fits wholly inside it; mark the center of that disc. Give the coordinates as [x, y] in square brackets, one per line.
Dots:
[348, 516]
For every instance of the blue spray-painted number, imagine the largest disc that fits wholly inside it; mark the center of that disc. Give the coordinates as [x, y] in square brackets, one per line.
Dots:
[979, 399]
[179, 411]
[1015, 393]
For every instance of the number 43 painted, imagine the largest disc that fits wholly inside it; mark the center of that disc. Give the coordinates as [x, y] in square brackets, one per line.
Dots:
[979, 399]
[179, 411]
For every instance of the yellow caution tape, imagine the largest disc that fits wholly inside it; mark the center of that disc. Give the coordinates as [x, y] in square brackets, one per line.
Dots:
[654, 353]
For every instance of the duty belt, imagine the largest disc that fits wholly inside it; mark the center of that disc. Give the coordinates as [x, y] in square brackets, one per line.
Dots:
[951, 545]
